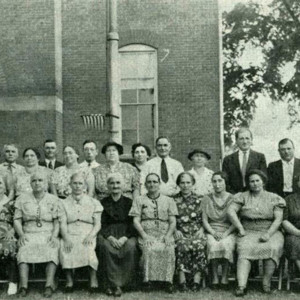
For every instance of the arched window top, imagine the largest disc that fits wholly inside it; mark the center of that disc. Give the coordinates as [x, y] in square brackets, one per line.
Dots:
[137, 48]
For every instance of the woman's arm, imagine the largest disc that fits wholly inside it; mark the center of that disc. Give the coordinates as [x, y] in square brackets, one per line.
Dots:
[206, 224]
[229, 230]
[92, 235]
[19, 230]
[278, 215]
[233, 217]
[290, 228]
[170, 232]
[138, 226]
[53, 238]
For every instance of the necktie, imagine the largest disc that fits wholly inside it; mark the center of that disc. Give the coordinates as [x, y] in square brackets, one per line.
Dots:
[244, 166]
[164, 172]
[9, 168]
[50, 165]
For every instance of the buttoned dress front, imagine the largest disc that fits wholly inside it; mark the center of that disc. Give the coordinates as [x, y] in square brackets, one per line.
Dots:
[79, 216]
[158, 260]
[29, 210]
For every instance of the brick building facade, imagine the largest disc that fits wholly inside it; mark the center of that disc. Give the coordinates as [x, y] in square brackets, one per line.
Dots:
[53, 68]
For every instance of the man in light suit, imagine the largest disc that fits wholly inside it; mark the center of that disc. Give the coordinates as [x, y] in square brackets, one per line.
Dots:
[283, 173]
[50, 151]
[237, 164]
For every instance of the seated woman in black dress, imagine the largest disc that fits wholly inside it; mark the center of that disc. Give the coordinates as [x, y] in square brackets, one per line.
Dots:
[117, 251]
[291, 225]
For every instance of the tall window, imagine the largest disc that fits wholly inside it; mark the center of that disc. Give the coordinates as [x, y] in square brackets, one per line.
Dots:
[138, 95]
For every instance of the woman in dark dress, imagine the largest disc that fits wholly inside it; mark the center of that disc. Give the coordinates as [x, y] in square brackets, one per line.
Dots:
[117, 247]
[291, 224]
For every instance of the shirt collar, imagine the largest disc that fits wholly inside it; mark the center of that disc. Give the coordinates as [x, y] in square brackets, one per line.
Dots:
[48, 160]
[241, 152]
[291, 162]
[14, 165]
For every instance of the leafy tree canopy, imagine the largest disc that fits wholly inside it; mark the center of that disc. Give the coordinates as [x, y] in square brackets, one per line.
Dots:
[274, 30]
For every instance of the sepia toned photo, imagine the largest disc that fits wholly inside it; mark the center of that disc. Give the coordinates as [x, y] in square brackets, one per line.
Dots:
[149, 149]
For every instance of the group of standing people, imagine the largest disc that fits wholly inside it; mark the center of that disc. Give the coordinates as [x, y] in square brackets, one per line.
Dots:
[119, 219]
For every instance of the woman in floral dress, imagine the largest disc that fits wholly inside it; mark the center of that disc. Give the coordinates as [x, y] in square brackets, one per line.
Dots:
[7, 239]
[191, 241]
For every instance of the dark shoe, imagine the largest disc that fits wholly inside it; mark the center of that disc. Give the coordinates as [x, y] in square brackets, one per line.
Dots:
[170, 288]
[23, 292]
[109, 292]
[214, 286]
[224, 286]
[147, 287]
[118, 292]
[240, 292]
[48, 292]
[183, 288]
[195, 287]
[93, 289]
[68, 289]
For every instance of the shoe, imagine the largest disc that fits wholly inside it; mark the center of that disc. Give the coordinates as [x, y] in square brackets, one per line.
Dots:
[93, 289]
[224, 286]
[267, 289]
[12, 288]
[147, 287]
[240, 292]
[118, 292]
[48, 292]
[195, 287]
[23, 292]
[108, 292]
[214, 286]
[170, 288]
[68, 289]
[182, 287]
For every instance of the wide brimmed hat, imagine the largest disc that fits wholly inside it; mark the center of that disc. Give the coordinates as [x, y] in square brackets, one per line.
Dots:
[196, 151]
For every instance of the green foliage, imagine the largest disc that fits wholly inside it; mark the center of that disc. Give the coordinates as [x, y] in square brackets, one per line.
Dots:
[272, 30]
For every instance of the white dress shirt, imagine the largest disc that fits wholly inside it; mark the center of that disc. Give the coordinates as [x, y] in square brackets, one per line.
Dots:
[288, 171]
[92, 165]
[174, 168]
[48, 162]
[241, 157]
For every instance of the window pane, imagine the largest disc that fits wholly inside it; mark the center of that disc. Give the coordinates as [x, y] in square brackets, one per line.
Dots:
[129, 117]
[129, 137]
[146, 96]
[146, 130]
[128, 96]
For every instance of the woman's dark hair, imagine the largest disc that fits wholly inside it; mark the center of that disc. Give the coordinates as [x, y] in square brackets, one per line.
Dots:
[222, 174]
[109, 144]
[154, 175]
[260, 173]
[74, 148]
[36, 151]
[134, 146]
[179, 177]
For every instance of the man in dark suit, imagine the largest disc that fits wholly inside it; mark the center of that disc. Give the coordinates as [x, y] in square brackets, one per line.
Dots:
[50, 151]
[237, 164]
[283, 173]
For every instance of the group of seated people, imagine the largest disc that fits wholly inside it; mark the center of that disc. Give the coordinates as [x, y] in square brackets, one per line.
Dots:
[150, 218]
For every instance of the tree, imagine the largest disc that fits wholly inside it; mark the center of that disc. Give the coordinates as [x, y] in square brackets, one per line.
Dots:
[274, 31]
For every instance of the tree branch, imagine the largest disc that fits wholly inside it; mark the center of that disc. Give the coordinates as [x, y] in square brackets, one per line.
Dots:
[288, 8]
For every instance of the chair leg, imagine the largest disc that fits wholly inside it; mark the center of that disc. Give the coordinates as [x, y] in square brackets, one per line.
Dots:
[288, 277]
[281, 267]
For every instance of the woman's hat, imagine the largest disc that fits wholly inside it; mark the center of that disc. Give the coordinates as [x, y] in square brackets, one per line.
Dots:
[118, 146]
[196, 151]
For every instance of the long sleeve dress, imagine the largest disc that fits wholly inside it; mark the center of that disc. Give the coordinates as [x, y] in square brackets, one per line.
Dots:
[118, 266]
[158, 260]
[219, 221]
[190, 250]
[257, 215]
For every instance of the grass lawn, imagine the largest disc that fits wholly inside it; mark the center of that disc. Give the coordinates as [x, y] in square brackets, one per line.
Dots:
[254, 293]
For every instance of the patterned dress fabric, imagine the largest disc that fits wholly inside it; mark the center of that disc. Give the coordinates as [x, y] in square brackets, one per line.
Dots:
[130, 175]
[7, 247]
[158, 260]
[257, 215]
[22, 179]
[190, 250]
[62, 178]
[29, 210]
[292, 214]
[203, 185]
[217, 217]
[79, 216]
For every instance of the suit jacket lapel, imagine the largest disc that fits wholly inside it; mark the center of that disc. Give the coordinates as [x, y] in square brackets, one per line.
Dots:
[250, 160]
[236, 161]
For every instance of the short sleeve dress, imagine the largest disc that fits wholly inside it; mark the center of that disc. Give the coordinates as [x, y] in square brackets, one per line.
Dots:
[217, 218]
[257, 215]
[158, 260]
[79, 216]
[190, 250]
[130, 175]
[292, 214]
[29, 210]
